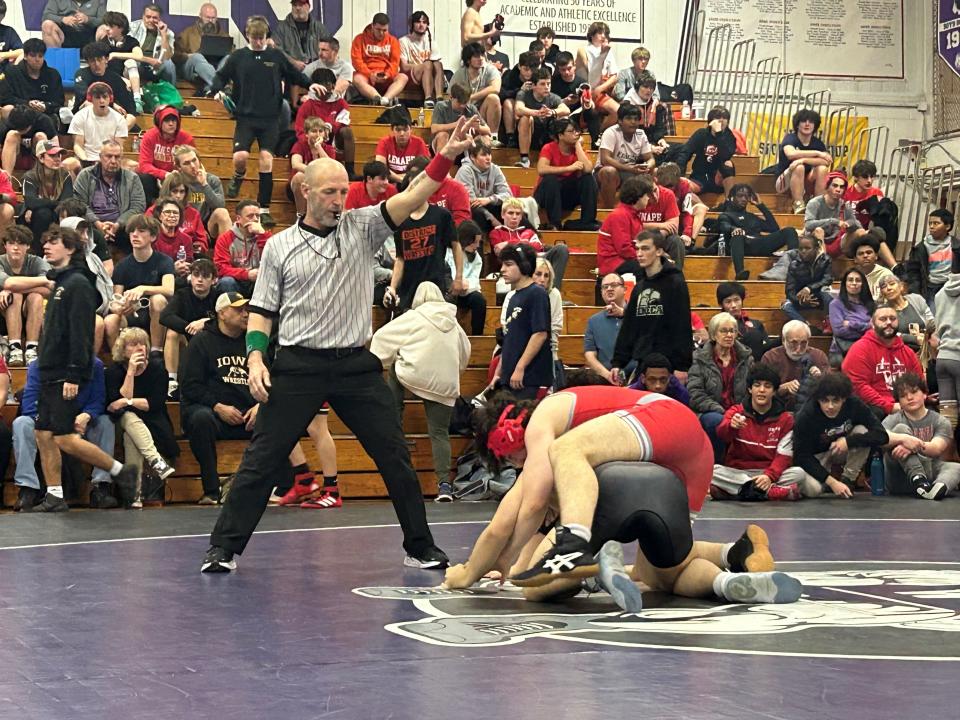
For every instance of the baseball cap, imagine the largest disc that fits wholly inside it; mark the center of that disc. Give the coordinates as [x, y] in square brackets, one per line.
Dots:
[74, 223]
[230, 299]
[299, 2]
[48, 147]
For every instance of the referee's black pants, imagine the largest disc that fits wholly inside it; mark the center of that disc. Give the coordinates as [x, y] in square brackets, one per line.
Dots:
[302, 380]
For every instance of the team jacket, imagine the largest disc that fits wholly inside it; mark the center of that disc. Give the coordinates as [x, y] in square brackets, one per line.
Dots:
[764, 443]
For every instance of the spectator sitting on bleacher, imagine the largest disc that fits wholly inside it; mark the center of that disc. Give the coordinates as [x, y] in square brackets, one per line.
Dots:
[548, 37]
[330, 107]
[447, 114]
[126, 57]
[749, 234]
[540, 50]
[190, 62]
[809, 277]
[187, 314]
[833, 221]
[914, 320]
[863, 173]
[137, 401]
[662, 214]
[517, 78]
[566, 179]
[486, 185]
[693, 211]
[298, 33]
[850, 314]
[931, 260]
[572, 89]
[33, 83]
[752, 333]
[483, 83]
[865, 254]
[598, 64]
[656, 118]
[96, 56]
[174, 188]
[374, 187]
[500, 60]
[91, 422]
[803, 160]
[204, 191]
[312, 145]
[143, 282]
[628, 78]
[328, 50]
[536, 109]
[600, 336]
[712, 149]
[656, 375]
[22, 309]
[420, 61]
[616, 241]
[46, 185]
[157, 144]
[237, 252]
[171, 240]
[544, 277]
[451, 194]
[375, 55]
[796, 363]
[96, 122]
[71, 23]
[21, 131]
[11, 46]
[510, 232]
[397, 149]
[153, 29]
[470, 238]
[8, 200]
[112, 194]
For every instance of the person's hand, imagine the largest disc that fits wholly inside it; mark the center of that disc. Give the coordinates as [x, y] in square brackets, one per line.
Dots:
[527, 86]
[70, 390]
[715, 125]
[252, 274]
[457, 577]
[229, 414]
[819, 234]
[738, 231]
[615, 378]
[109, 229]
[687, 241]
[681, 375]
[815, 371]
[805, 296]
[6, 297]
[479, 202]
[460, 138]
[202, 175]
[516, 380]
[657, 149]
[38, 105]
[27, 216]
[181, 267]
[80, 423]
[390, 297]
[459, 287]
[254, 228]
[577, 166]
[117, 405]
[133, 295]
[137, 362]
[762, 482]
[250, 417]
[299, 65]
[614, 310]
[913, 444]
[840, 489]
[842, 224]
[900, 452]
[161, 27]
[196, 326]
[738, 421]
[791, 388]
[81, 17]
[258, 378]
[838, 447]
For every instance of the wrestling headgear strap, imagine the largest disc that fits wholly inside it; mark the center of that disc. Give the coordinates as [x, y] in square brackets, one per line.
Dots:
[507, 437]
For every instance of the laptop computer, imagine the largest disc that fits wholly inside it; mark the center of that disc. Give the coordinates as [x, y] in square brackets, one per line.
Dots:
[215, 47]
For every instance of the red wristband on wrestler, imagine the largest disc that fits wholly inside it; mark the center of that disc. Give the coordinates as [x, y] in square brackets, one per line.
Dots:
[439, 168]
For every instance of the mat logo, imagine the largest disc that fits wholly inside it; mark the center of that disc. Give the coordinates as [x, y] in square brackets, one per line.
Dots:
[897, 613]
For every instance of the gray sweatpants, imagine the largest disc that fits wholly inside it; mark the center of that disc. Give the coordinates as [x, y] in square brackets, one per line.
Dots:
[731, 479]
[897, 473]
[853, 463]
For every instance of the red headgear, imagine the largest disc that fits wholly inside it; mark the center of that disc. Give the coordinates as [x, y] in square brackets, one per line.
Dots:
[507, 436]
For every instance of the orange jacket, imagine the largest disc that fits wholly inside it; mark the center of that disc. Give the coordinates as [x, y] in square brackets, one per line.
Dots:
[370, 56]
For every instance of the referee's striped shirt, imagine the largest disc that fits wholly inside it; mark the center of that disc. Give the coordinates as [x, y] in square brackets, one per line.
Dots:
[323, 301]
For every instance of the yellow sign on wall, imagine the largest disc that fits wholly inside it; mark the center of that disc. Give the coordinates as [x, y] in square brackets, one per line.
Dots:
[840, 133]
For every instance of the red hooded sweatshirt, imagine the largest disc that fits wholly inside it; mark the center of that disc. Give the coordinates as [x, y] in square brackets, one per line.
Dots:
[504, 234]
[765, 444]
[156, 151]
[370, 56]
[872, 367]
[192, 226]
[615, 239]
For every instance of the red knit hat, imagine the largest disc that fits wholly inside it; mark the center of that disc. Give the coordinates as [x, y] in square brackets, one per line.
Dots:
[837, 174]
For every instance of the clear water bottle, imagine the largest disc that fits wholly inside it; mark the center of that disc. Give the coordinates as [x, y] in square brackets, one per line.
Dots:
[685, 110]
[722, 245]
[877, 486]
[136, 142]
[181, 253]
[421, 118]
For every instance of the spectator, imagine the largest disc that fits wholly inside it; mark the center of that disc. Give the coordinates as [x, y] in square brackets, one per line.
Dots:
[375, 55]
[876, 360]
[447, 114]
[809, 277]
[470, 238]
[510, 233]
[948, 351]
[915, 322]
[126, 57]
[472, 29]
[306, 149]
[603, 327]
[33, 83]
[257, 73]
[566, 179]
[298, 34]
[718, 376]
[803, 160]
[834, 428]
[916, 468]
[516, 79]
[95, 123]
[11, 46]
[171, 240]
[237, 252]
[399, 148]
[191, 64]
[616, 242]
[629, 78]
[483, 83]
[22, 130]
[500, 60]
[546, 35]
[656, 118]
[759, 437]
[829, 219]
[22, 310]
[330, 107]
[204, 191]
[44, 187]
[597, 63]
[752, 333]
[865, 252]
[97, 55]
[796, 363]
[67, 23]
[157, 144]
[486, 185]
[656, 375]
[328, 50]
[624, 153]
[931, 260]
[749, 234]
[375, 187]
[174, 187]
[451, 195]
[544, 277]
[99, 261]
[864, 172]
[712, 149]
[536, 109]
[143, 282]
[186, 315]
[156, 42]
[662, 214]
[693, 211]
[850, 314]
[426, 350]
[420, 61]
[573, 90]
[137, 402]
[112, 194]
[91, 423]
[657, 318]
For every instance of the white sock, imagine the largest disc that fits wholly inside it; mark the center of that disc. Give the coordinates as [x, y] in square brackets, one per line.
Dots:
[173, 375]
[579, 530]
[55, 490]
[724, 562]
[117, 467]
[156, 349]
[720, 584]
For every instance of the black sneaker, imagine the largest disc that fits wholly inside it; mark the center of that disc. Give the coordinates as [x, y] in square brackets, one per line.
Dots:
[570, 557]
[27, 497]
[931, 491]
[160, 468]
[218, 560]
[266, 219]
[751, 553]
[127, 481]
[233, 187]
[433, 558]
[50, 504]
[100, 497]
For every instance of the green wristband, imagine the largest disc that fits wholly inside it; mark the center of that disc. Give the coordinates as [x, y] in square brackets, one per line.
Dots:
[257, 340]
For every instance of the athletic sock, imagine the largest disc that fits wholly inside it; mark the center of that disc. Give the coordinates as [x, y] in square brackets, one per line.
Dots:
[720, 584]
[55, 490]
[524, 155]
[579, 530]
[299, 471]
[16, 343]
[116, 468]
[724, 560]
[32, 344]
[330, 481]
[156, 350]
[265, 189]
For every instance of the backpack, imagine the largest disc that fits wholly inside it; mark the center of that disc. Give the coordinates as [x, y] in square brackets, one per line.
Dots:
[475, 482]
[160, 92]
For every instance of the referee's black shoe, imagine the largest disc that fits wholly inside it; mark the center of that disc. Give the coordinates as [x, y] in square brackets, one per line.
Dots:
[570, 557]
[218, 560]
[433, 558]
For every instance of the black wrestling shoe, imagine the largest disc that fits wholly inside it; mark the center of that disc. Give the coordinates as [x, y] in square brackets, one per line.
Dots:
[218, 560]
[50, 504]
[751, 553]
[433, 558]
[570, 557]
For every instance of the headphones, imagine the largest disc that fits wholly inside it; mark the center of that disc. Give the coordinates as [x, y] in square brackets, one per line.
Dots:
[507, 436]
[89, 97]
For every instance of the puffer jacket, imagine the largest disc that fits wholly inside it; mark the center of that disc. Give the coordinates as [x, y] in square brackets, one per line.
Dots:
[705, 383]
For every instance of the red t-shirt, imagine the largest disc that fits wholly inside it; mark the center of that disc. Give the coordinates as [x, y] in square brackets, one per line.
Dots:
[551, 151]
[397, 159]
[665, 208]
[852, 197]
[453, 196]
[358, 197]
[302, 148]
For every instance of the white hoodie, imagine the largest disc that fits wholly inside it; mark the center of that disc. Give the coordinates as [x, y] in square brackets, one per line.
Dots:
[430, 350]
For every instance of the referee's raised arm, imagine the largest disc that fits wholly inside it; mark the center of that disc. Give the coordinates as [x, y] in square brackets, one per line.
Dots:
[426, 183]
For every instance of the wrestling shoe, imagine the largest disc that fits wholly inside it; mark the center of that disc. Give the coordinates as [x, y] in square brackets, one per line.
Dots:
[326, 499]
[433, 558]
[444, 493]
[218, 560]
[751, 553]
[615, 580]
[50, 504]
[930, 491]
[570, 557]
[763, 587]
[304, 488]
[783, 492]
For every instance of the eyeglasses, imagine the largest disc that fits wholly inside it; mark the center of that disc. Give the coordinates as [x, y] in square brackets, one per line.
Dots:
[726, 331]
[797, 343]
[169, 212]
[611, 286]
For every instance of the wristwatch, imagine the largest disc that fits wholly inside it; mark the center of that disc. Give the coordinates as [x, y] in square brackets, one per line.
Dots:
[129, 402]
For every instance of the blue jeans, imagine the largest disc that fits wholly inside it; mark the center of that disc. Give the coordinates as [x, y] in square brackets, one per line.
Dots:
[99, 431]
[709, 422]
[167, 71]
[795, 311]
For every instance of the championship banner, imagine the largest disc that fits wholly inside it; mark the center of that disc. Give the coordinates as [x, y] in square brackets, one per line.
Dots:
[570, 19]
[948, 33]
[839, 133]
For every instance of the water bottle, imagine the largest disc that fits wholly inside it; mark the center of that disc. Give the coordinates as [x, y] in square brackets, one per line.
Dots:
[181, 253]
[421, 118]
[877, 486]
[136, 142]
[722, 245]
[685, 110]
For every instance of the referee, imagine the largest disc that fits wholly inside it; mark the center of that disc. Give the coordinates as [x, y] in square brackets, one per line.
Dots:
[315, 280]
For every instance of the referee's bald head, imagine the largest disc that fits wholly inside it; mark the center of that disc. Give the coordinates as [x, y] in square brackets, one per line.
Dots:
[325, 186]
[323, 170]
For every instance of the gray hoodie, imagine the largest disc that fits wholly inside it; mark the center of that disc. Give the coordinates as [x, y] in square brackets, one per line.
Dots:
[484, 183]
[819, 214]
[947, 302]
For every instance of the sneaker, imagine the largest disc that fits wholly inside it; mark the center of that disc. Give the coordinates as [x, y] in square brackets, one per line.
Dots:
[433, 558]
[511, 141]
[570, 557]
[523, 162]
[743, 275]
[931, 491]
[429, 103]
[266, 219]
[14, 356]
[173, 390]
[615, 580]
[762, 587]
[233, 187]
[301, 491]
[128, 481]
[101, 498]
[27, 497]
[160, 468]
[208, 500]
[495, 143]
[784, 492]
[385, 102]
[444, 493]
[799, 207]
[218, 560]
[751, 553]
[325, 500]
[274, 498]
[138, 104]
[50, 504]
[30, 354]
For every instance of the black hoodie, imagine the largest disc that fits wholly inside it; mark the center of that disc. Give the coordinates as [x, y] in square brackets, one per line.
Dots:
[814, 433]
[185, 307]
[21, 88]
[657, 319]
[66, 347]
[214, 370]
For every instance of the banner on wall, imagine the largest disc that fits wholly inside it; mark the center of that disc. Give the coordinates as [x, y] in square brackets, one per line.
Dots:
[948, 33]
[842, 132]
[830, 38]
[571, 18]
